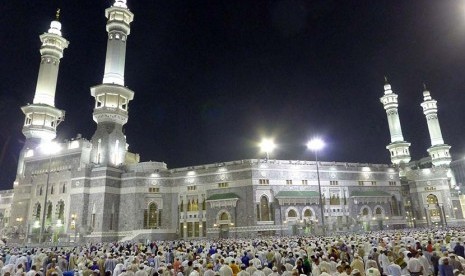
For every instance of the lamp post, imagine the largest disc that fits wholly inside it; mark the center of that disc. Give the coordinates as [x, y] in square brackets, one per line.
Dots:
[49, 148]
[315, 145]
[267, 146]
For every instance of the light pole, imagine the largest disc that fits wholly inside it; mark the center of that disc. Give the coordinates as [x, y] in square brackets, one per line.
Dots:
[49, 148]
[315, 145]
[267, 146]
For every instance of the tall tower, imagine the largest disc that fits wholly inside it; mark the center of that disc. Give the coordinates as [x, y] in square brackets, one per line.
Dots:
[439, 152]
[42, 117]
[112, 97]
[398, 148]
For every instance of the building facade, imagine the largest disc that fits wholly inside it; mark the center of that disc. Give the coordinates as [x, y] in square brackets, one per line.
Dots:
[97, 190]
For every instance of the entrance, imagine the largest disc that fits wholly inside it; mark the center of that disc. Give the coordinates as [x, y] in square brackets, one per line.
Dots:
[224, 231]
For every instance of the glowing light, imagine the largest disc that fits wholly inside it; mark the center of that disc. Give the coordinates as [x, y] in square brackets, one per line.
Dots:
[366, 169]
[29, 153]
[73, 145]
[50, 148]
[315, 144]
[267, 145]
[36, 224]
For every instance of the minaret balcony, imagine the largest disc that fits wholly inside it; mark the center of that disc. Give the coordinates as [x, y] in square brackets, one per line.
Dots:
[110, 114]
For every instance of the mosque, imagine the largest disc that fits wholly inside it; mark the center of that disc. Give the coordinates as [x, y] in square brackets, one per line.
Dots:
[96, 190]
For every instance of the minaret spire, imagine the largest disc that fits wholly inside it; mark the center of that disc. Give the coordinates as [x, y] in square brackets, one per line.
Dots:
[112, 97]
[42, 117]
[398, 148]
[439, 152]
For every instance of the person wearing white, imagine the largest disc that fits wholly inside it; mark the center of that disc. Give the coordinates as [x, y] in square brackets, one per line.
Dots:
[225, 270]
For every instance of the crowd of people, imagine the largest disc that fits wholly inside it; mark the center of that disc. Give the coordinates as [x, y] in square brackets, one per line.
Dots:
[402, 252]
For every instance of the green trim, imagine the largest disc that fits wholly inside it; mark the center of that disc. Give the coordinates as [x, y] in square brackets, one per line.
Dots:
[369, 194]
[223, 196]
[297, 194]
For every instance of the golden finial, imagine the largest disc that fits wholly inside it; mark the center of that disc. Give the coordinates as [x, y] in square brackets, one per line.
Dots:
[58, 15]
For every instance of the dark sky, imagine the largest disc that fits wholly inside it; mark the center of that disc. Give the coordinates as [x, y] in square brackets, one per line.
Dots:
[213, 77]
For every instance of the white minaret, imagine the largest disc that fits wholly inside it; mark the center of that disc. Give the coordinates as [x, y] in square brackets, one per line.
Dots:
[42, 117]
[398, 148]
[439, 152]
[112, 97]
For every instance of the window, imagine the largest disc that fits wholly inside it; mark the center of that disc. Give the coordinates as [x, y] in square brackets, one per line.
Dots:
[111, 221]
[365, 212]
[264, 209]
[308, 213]
[151, 216]
[373, 183]
[305, 182]
[289, 182]
[93, 220]
[333, 182]
[51, 190]
[431, 199]
[37, 211]
[378, 211]
[360, 183]
[191, 188]
[60, 211]
[392, 183]
[224, 216]
[292, 214]
[264, 181]
[223, 185]
[49, 211]
[334, 200]
[63, 188]
[434, 213]
[154, 190]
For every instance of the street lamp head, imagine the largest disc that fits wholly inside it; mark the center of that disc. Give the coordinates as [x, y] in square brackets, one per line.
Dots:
[267, 145]
[315, 144]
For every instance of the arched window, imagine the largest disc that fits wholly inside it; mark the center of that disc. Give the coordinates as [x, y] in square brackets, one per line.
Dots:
[195, 205]
[292, 214]
[181, 206]
[189, 206]
[334, 200]
[51, 190]
[365, 212]
[394, 206]
[264, 209]
[151, 216]
[204, 204]
[308, 213]
[378, 211]
[49, 211]
[224, 216]
[61, 210]
[37, 211]
[63, 189]
[432, 199]
[41, 190]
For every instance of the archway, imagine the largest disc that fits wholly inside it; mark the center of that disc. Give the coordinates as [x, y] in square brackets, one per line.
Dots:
[264, 209]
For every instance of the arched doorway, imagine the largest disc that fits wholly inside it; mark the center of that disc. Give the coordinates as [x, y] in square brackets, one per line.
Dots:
[434, 211]
[224, 225]
[264, 209]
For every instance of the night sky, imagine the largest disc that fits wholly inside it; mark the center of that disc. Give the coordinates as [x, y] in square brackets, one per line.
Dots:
[213, 77]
